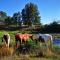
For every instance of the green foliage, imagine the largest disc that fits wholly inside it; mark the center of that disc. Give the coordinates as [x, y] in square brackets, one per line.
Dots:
[31, 42]
[17, 18]
[3, 15]
[53, 27]
[8, 21]
[30, 14]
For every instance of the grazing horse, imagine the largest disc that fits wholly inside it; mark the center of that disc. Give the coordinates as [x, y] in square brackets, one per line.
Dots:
[46, 36]
[6, 39]
[22, 38]
[42, 37]
[46, 39]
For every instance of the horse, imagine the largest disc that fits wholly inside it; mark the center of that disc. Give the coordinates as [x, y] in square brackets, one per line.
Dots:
[42, 37]
[6, 39]
[22, 38]
[45, 37]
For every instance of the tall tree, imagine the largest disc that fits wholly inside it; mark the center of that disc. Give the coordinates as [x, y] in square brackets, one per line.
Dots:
[3, 15]
[30, 14]
[17, 18]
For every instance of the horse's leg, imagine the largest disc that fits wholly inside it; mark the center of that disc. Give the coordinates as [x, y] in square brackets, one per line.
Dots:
[16, 41]
[21, 41]
[8, 41]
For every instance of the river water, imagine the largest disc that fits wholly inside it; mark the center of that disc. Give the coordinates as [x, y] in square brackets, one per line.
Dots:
[56, 42]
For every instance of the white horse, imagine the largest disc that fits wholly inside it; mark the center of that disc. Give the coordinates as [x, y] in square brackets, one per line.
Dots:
[46, 36]
[6, 39]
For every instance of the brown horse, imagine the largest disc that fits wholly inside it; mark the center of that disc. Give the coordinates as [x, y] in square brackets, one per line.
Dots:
[22, 38]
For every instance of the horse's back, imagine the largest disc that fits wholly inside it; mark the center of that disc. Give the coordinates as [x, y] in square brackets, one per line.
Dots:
[45, 36]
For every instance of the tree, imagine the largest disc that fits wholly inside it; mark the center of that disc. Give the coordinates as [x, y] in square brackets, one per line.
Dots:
[3, 15]
[30, 14]
[17, 18]
[8, 20]
[54, 23]
[53, 27]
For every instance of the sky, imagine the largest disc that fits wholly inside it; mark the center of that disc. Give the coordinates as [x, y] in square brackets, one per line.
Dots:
[49, 9]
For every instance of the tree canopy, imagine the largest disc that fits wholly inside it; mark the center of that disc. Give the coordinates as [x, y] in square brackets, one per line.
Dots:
[28, 17]
[30, 14]
[3, 15]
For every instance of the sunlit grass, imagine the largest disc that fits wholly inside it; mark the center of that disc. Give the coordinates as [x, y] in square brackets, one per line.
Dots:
[48, 54]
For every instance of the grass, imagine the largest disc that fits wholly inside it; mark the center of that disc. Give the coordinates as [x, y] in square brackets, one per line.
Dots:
[48, 53]
[11, 33]
[27, 57]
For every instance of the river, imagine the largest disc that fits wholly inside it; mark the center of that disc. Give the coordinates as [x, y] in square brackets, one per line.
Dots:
[56, 42]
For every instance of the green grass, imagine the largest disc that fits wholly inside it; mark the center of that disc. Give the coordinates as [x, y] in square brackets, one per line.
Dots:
[11, 33]
[12, 42]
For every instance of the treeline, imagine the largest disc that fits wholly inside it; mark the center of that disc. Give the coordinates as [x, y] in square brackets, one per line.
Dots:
[29, 16]
[53, 27]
